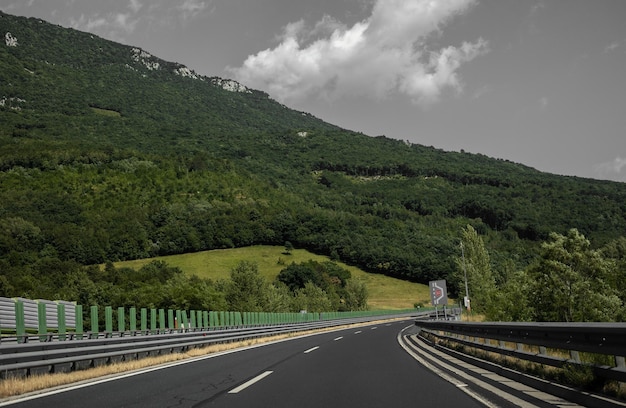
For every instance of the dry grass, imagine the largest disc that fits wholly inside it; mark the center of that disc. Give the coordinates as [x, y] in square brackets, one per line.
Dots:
[13, 387]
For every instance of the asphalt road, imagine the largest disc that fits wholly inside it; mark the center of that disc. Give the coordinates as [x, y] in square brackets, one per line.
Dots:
[359, 367]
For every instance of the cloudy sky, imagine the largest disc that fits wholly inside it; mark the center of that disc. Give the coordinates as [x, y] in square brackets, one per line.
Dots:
[538, 82]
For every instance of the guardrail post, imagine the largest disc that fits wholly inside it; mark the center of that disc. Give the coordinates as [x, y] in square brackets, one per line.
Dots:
[192, 320]
[170, 320]
[185, 325]
[144, 320]
[20, 322]
[133, 320]
[43, 325]
[153, 321]
[161, 321]
[121, 321]
[179, 320]
[79, 322]
[108, 321]
[61, 321]
[94, 323]
[212, 319]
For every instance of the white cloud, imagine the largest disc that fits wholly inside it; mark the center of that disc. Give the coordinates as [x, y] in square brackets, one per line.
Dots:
[611, 170]
[191, 8]
[135, 6]
[112, 25]
[481, 92]
[611, 47]
[383, 54]
[117, 21]
[537, 7]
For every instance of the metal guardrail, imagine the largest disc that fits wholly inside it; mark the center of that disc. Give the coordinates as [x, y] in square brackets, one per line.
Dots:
[597, 338]
[24, 359]
[25, 320]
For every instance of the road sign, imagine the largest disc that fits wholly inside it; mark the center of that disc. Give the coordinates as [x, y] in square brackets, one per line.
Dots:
[438, 293]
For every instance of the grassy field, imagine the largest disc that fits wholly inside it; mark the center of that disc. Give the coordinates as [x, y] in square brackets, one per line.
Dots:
[384, 292]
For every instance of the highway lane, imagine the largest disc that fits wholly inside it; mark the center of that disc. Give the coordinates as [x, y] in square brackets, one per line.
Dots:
[358, 367]
[364, 367]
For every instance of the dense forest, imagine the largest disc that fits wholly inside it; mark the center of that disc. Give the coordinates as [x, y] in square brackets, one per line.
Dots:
[109, 153]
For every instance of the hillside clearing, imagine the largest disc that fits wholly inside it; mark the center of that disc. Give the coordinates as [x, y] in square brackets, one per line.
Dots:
[384, 292]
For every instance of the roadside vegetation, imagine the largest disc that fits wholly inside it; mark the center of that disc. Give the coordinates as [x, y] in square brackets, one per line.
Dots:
[570, 281]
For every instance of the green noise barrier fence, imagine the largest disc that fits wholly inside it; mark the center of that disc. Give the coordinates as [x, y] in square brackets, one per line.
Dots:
[25, 319]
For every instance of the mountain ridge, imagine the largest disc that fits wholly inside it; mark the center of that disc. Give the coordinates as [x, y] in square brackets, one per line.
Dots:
[109, 153]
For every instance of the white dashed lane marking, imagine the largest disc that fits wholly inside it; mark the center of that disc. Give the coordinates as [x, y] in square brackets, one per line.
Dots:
[250, 382]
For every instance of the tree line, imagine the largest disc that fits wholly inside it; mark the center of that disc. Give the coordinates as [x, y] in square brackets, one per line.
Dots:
[310, 286]
[570, 281]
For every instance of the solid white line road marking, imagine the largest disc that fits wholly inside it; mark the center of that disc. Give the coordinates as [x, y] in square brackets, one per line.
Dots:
[311, 349]
[338, 338]
[249, 383]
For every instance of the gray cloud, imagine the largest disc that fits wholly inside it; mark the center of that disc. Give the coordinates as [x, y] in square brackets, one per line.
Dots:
[612, 170]
[117, 21]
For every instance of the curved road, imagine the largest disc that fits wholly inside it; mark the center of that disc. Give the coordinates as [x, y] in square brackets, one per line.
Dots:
[359, 367]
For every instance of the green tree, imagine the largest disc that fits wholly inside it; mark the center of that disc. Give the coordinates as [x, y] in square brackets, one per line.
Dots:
[313, 299]
[356, 295]
[190, 293]
[247, 290]
[512, 300]
[569, 282]
[326, 275]
[475, 263]
[279, 299]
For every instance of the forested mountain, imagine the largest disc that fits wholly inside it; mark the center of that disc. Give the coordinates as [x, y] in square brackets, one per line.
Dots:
[110, 153]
